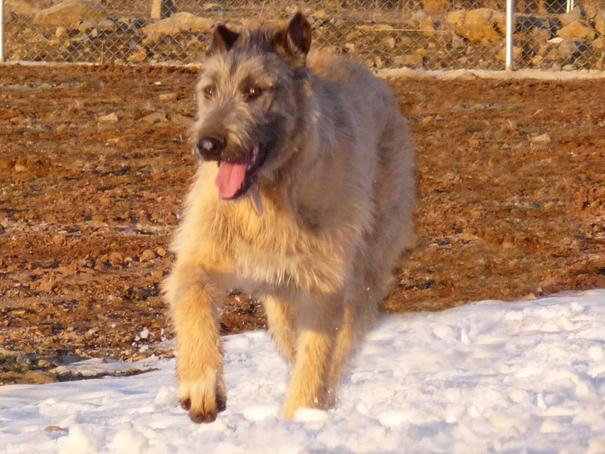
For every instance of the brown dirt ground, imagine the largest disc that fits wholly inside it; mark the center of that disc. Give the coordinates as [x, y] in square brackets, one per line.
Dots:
[512, 203]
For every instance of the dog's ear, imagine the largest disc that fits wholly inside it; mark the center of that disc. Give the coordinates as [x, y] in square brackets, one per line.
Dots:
[223, 39]
[295, 40]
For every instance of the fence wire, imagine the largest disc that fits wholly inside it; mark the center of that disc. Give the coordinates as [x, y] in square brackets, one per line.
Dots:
[428, 34]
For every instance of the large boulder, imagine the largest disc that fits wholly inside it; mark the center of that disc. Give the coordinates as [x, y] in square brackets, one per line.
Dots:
[577, 30]
[70, 13]
[479, 25]
[177, 23]
[567, 18]
[20, 7]
[571, 50]
[525, 23]
[599, 22]
[436, 6]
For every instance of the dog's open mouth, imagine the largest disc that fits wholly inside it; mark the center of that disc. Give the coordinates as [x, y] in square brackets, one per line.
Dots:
[235, 177]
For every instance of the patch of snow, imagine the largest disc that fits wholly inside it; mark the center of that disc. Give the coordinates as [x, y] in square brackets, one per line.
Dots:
[144, 334]
[100, 366]
[487, 377]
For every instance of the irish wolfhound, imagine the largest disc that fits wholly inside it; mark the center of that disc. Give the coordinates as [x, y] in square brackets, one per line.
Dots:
[303, 197]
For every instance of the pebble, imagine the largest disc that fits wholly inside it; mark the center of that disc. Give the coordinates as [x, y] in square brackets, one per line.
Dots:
[147, 255]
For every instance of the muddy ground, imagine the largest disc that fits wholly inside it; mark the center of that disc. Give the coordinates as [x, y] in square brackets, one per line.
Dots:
[94, 167]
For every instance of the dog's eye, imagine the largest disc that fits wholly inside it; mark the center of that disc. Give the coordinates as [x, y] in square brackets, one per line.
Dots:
[209, 92]
[252, 93]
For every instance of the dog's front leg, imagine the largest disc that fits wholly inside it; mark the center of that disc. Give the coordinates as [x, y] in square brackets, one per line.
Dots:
[193, 301]
[318, 321]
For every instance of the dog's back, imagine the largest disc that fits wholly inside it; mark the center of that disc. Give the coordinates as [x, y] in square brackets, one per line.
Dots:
[382, 160]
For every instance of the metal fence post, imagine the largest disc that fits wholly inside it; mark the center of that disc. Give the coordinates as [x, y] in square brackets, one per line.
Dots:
[510, 29]
[1, 30]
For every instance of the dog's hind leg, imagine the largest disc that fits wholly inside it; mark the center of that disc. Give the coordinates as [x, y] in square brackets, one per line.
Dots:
[281, 325]
[395, 199]
[360, 311]
[317, 323]
[200, 360]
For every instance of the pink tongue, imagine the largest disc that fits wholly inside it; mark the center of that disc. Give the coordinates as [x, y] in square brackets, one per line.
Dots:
[230, 179]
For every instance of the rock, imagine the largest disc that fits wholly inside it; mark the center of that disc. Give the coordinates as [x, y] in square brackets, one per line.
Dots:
[569, 49]
[455, 17]
[435, 6]
[139, 56]
[39, 377]
[20, 8]
[131, 23]
[482, 25]
[70, 13]
[507, 244]
[167, 96]
[109, 118]
[599, 22]
[116, 258]
[536, 60]
[147, 255]
[160, 251]
[412, 60]
[534, 23]
[320, 14]
[591, 7]
[517, 53]
[178, 23]
[20, 167]
[539, 36]
[106, 25]
[577, 30]
[543, 138]
[161, 9]
[46, 284]
[599, 43]
[212, 7]
[567, 18]
[181, 120]
[5, 165]
[155, 117]
[60, 32]
[389, 42]
[427, 26]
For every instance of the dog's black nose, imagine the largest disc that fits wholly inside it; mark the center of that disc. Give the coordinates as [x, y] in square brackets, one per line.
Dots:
[210, 147]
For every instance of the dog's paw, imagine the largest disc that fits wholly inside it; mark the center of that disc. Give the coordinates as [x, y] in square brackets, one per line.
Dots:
[204, 398]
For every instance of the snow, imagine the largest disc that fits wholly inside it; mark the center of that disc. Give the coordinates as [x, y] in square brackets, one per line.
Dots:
[527, 376]
[99, 366]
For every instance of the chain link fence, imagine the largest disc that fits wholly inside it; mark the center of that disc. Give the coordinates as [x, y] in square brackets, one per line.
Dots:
[423, 34]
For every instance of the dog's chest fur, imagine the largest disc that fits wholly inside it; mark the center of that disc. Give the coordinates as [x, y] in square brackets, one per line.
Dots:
[279, 247]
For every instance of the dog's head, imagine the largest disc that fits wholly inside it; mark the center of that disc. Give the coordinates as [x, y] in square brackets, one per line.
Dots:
[249, 102]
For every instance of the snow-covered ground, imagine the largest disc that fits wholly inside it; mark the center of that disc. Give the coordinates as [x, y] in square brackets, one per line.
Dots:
[488, 377]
